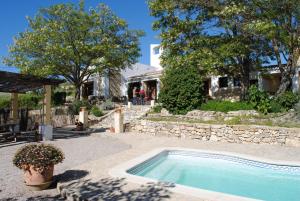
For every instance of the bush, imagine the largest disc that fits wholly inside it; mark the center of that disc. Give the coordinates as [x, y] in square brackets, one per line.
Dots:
[40, 156]
[287, 100]
[74, 108]
[275, 106]
[30, 100]
[4, 102]
[225, 106]
[259, 99]
[157, 109]
[96, 111]
[181, 90]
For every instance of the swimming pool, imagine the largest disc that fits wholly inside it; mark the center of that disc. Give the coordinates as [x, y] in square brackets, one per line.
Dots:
[222, 173]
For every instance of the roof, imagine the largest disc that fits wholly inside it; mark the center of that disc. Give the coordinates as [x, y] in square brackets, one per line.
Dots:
[21, 83]
[138, 69]
[146, 76]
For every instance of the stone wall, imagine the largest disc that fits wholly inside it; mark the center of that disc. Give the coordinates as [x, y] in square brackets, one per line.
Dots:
[221, 133]
[58, 120]
[206, 115]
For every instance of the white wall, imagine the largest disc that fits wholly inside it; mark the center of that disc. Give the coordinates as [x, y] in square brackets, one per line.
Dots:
[154, 58]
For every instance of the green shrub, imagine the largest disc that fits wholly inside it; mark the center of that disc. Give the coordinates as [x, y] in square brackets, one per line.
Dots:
[30, 100]
[259, 99]
[74, 108]
[264, 106]
[40, 156]
[225, 106]
[287, 100]
[4, 102]
[181, 90]
[275, 106]
[157, 109]
[96, 111]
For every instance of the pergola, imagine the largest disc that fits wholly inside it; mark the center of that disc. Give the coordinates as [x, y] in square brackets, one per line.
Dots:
[16, 83]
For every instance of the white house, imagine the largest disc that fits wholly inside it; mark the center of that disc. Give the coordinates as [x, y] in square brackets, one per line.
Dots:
[121, 84]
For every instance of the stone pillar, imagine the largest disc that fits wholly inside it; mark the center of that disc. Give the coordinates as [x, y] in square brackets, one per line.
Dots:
[119, 121]
[129, 105]
[83, 116]
[152, 103]
[158, 88]
[14, 106]
[214, 87]
[47, 106]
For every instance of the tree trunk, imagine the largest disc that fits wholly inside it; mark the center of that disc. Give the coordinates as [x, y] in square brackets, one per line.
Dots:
[245, 84]
[287, 75]
[77, 92]
[285, 82]
[245, 78]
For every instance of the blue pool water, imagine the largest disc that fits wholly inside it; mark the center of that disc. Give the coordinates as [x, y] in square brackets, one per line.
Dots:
[226, 174]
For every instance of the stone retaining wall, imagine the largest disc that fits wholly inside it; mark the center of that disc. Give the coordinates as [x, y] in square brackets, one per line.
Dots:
[57, 120]
[222, 133]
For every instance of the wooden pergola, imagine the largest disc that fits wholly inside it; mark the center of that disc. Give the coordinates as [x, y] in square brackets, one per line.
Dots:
[16, 83]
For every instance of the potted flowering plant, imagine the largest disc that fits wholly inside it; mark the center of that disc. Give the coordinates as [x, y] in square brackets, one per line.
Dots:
[37, 161]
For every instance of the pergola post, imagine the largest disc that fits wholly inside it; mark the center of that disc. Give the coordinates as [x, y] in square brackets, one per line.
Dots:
[14, 106]
[47, 106]
[47, 129]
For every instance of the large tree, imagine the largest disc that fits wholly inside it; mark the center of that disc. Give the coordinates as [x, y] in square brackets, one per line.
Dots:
[210, 35]
[66, 40]
[230, 37]
[279, 23]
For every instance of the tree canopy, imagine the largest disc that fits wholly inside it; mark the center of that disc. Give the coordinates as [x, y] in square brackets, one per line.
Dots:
[231, 37]
[66, 40]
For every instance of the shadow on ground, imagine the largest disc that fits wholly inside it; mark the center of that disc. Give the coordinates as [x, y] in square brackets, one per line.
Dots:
[67, 176]
[110, 189]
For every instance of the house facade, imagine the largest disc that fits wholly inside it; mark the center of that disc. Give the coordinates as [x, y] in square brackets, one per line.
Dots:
[122, 83]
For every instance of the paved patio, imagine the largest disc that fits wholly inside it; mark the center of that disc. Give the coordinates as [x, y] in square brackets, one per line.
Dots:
[77, 151]
[84, 173]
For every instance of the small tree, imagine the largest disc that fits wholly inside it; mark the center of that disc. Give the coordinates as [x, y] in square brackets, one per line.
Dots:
[181, 89]
[65, 40]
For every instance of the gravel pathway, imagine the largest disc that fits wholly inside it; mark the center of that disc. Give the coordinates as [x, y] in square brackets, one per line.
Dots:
[77, 151]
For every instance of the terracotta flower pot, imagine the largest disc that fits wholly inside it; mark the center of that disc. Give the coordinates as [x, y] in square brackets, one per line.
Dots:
[36, 180]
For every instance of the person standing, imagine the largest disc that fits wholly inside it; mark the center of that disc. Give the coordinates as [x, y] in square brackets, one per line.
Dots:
[142, 96]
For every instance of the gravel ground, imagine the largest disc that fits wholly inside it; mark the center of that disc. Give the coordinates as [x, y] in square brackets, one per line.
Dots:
[77, 151]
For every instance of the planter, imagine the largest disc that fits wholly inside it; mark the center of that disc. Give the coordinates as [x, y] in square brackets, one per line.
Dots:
[38, 180]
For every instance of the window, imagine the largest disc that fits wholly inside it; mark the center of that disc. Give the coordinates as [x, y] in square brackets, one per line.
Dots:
[156, 50]
[223, 82]
[236, 82]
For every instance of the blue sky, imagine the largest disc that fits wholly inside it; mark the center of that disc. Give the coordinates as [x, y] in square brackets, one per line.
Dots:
[13, 21]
